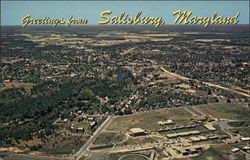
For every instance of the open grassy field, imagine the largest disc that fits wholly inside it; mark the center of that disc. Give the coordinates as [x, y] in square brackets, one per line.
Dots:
[226, 110]
[54, 144]
[62, 145]
[126, 156]
[82, 124]
[139, 140]
[149, 120]
[133, 157]
[115, 156]
[109, 137]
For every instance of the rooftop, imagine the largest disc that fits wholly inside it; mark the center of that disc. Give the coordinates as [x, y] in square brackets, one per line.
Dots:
[137, 130]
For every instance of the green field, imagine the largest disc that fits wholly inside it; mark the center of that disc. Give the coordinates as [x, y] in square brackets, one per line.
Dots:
[139, 140]
[126, 156]
[101, 147]
[133, 157]
[82, 124]
[149, 120]
[115, 156]
[109, 137]
[59, 145]
[226, 111]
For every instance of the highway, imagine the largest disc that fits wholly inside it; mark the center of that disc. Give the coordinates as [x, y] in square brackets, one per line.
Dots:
[209, 84]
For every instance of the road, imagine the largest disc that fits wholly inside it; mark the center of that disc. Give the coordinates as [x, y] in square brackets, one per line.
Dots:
[227, 89]
[127, 51]
[207, 83]
[190, 111]
[83, 150]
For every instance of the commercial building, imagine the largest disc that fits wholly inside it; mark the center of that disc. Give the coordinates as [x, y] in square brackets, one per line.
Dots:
[138, 132]
[168, 122]
[209, 126]
[182, 134]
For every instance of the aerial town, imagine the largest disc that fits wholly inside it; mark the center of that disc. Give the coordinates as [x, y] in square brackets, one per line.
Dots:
[125, 93]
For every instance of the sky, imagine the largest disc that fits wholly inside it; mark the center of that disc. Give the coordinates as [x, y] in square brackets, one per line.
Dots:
[13, 11]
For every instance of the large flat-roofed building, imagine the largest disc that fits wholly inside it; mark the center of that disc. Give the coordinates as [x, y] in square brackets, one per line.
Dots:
[245, 138]
[209, 126]
[198, 138]
[168, 122]
[182, 134]
[138, 132]
[199, 118]
[184, 152]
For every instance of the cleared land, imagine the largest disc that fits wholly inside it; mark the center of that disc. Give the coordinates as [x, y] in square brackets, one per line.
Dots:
[140, 140]
[226, 111]
[149, 120]
[54, 145]
[109, 137]
[133, 157]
